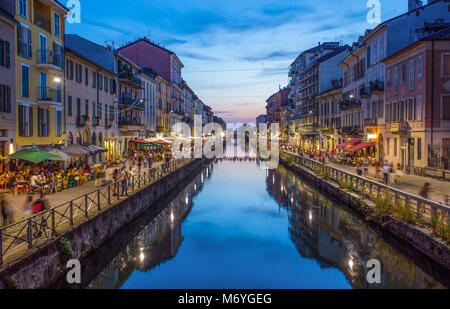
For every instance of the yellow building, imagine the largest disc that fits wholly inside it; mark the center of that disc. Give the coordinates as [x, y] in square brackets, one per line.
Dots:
[39, 72]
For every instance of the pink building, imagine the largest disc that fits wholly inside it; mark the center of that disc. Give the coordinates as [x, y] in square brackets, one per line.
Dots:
[275, 104]
[418, 106]
[163, 62]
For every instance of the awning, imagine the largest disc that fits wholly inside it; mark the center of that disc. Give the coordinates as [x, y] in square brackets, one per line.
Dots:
[138, 141]
[76, 150]
[347, 144]
[162, 142]
[359, 146]
[95, 149]
[149, 145]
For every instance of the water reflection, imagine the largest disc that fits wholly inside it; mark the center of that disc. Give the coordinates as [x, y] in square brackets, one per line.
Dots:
[156, 243]
[330, 234]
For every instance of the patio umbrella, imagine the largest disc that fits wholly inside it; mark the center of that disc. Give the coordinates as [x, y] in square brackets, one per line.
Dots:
[76, 150]
[61, 155]
[33, 155]
[95, 149]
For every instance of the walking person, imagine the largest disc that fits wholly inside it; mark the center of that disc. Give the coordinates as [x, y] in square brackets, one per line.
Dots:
[150, 160]
[115, 180]
[5, 211]
[366, 168]
[124, 180]
[447, 200]
[386, 169]
[426, 189]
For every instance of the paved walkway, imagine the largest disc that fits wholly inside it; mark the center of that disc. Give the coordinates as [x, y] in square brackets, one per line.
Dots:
[408, 183]
[18, 201]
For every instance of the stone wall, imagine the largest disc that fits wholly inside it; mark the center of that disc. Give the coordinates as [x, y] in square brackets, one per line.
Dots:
[415, 237]
[44, 266]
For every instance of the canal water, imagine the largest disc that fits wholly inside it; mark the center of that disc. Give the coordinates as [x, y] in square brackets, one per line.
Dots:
[237, 225]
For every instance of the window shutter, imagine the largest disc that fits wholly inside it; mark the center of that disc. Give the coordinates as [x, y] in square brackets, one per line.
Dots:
[8, 99]
[7, 55]
[30, 48]
[20, 120]
[47, 121]
[31, 120]
[2, 98]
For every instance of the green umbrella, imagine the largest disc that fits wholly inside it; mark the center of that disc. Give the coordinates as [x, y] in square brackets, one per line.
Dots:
[33, 155]
[148, 145]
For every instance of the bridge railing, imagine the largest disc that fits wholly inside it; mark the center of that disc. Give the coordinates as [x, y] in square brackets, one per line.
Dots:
[416, 209]
[38, 229]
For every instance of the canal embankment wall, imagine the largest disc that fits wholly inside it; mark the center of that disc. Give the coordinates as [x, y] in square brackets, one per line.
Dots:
[416, 237]
[44, 266]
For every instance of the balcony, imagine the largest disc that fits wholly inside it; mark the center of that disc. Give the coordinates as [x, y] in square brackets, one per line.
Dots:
[42, 21]
[370, 122]
[82, 121]
[128, 123]
[49, 59]
[49, 95]
[128, 101]
[96, 121]
[130, 79]
[364, 92]
[349, 104]
[377, 87]
[352, 130]
[399, 127]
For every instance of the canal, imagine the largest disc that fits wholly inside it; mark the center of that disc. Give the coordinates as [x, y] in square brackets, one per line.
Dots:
[236, 225]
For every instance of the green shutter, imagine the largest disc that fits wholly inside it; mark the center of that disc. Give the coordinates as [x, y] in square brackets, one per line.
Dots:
[20, 120]
[7, 56]
[31, 120]
[8, 99]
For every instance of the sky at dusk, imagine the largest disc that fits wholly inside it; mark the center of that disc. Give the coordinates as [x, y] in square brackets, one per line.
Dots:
[236, 52]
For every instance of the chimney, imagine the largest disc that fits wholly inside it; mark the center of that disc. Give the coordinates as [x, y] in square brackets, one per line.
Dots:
[414, 4]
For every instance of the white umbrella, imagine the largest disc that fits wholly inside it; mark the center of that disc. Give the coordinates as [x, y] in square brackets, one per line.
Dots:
[60, 154]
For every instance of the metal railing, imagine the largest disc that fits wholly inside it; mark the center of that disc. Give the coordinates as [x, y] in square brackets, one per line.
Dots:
[50, 57]
[425, 210]
[37, 230]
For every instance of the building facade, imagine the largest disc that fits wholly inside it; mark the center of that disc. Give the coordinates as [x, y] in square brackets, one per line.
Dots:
[130, 102]
[91, 98]
[7, 81]
[39, 72]
[149, 85]
[418, 106]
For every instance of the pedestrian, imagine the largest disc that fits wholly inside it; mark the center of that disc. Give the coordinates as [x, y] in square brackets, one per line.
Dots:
[359, 168]
[115, 179]
[145, 161]
[150, 160]
[386, 169]
[398, 173]
[366, 168]
[447, 200]
[426, 189]
[139, 164]
[5, 211]
[28, 205]
[41, 204]
[124, 180]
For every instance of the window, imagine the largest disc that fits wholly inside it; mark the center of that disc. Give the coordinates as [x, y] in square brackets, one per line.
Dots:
[106, 84]
[78, 107]
[411, 74]
[57, 25]
[395, 147]
[446, 65]
[86, 76]
[381, 47]
[388, 112]
[375, 50]
[401, 115]
[25, 81]
[69, 69]
[93, 110]
[410, 109]
[24, 43]
[446, 107]
[5, 99]
[394, 111]
[86, 107]
[69, 105]
[388, 146]
[111, 112]
[78, 73]
[94, 79]
[388, 79]
[403, 73]
[59, 130]
[4, 54]
[25, 121]
[99, 109]
[100, 82]
[368, 56]
[380, 108]
[419, 66]
[23, 8]
[419, 149]
[396, 80]
[419, 108]
[43, 122]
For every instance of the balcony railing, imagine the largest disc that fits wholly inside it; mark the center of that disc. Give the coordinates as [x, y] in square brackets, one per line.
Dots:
[128, 100]
[377, 86]
[131, 78]
[130, 121]
[48, 94]
[399, 127]
[370, 122]
[348, 104]
[42, 21]
[82, 121]
[49, 57]
[364, 92]
[351, 130]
